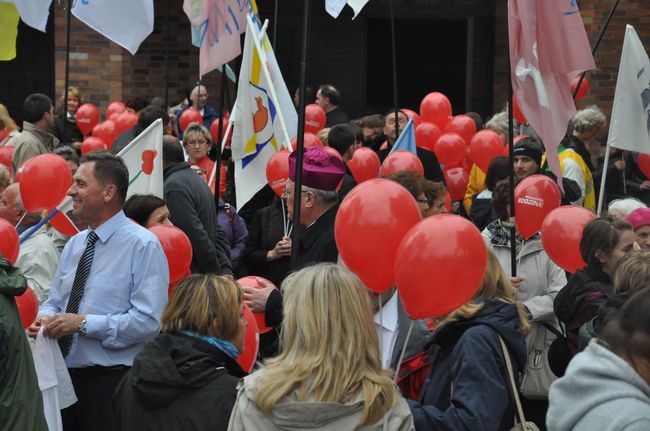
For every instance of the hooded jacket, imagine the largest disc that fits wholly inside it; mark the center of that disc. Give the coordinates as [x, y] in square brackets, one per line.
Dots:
[468, 388]
[600, 391]
[292, 414]
[579, 301]
[177, 382]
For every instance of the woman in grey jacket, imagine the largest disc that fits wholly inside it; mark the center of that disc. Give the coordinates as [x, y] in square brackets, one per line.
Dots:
[607, 386]
[328, 375]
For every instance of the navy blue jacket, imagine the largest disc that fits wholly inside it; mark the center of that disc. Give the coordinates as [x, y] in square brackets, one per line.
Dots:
[467, 352]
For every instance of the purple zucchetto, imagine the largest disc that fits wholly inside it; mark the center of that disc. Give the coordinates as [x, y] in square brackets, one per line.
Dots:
[639, 217]
[320, 169]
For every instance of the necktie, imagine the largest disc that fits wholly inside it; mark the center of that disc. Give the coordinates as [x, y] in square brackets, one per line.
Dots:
[80, 277]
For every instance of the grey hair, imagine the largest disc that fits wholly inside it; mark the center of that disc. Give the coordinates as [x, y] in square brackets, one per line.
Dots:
[588, 119]
[327, 197]
[5, 178]
[625, 206]
[499, 124]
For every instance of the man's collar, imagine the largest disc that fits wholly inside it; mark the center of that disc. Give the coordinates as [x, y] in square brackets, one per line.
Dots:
[389, 314]
[110, 226]
[309, 234]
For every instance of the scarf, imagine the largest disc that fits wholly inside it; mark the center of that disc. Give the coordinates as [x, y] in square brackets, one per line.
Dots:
[223, 345]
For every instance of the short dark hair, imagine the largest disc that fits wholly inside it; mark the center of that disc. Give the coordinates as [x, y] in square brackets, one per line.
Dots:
[341, 137]
[138, 103]
[110, 169]
[331, 93]
[68, 154]
[498, 170]
[35, 106]
[410, 180]
[477, 120]
[372, 121]
[139, 207]
[501, 199]
[434, 190]
[601, 234]
[358, 131]
[172, 150]
[150, 114]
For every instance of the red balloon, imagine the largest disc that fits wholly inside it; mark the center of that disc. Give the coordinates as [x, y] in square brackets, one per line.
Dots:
[6, 153]
[114, 108]
[251, 281]
[106, 131]
[456, 179]
[417, 120]
[364, 164]
[463, 125]
[450, 149]
[426, 135]
[178, 250]
[277, 171]
[246, 359]
[172, 286]
[401, 160]
[93, 144]
[448, 246]
[516, 112]
[370, 224]
[63, 225]
[562, 233]
[87, 117]
[643, 161]
[309, 141]
[485, 146]
[535, 197]
[44, 182]
[584, 87]
[125, 121]
[435, 108]
[315, 118]
[189, 116]
[27, 307]
[9, 241]
[214, 131]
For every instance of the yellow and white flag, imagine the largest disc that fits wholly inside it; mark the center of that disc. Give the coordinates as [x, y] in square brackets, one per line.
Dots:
[144, 159]
[259, 131]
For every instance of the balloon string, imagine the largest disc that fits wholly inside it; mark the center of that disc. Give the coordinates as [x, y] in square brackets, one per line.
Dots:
[21, 220]
[284, 217]
[401, 356]
[381, 331]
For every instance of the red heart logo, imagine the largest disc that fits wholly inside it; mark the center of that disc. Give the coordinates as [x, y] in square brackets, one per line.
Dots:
[147, 161]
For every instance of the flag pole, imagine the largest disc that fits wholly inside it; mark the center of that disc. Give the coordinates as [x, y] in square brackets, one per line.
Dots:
[297, 192]
[67, 62]
[596, 45]
[511, 159]
[167, 37]
[392, 36]
[275, 24]
[603, 179]
[217, 162]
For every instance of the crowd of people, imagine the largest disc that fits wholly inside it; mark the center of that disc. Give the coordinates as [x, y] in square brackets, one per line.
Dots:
[565, 351]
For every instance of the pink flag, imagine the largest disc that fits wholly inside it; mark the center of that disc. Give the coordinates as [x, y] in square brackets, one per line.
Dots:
[219, 24]
[548, 47]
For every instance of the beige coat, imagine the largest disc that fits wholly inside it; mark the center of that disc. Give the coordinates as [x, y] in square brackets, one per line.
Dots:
[291, 414]
[32, 142]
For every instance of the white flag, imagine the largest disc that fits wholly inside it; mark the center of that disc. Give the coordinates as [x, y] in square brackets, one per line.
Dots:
[34, 13]
[630, 124]
[334, 7]
[125, 22]
[143, 158]
[258, 131]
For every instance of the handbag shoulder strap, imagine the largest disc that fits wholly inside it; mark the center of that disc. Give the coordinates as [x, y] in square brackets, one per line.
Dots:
[511, 377]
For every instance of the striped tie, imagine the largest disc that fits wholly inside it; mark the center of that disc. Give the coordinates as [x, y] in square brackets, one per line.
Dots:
[77, 292]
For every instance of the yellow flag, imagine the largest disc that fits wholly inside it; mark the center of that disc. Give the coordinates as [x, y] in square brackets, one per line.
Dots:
[8, 31]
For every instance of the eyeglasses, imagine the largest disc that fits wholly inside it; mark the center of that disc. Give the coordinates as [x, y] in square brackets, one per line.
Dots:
[196, 143]
[423, 201]
[286, 193]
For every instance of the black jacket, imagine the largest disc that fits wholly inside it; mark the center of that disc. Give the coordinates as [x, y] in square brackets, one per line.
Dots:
[335, 116]
[177, 382]
[467, 355]
[192, 210]
[579, 147]
[66, 130]
[429, 161]
[125, 139]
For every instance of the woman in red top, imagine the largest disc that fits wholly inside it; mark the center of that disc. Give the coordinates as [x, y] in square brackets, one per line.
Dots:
[197, 143]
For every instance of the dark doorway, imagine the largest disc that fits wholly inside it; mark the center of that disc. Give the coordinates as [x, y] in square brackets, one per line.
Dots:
[32, 71]
[431, 56]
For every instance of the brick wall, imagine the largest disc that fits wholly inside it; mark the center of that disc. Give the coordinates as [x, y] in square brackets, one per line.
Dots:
[594, 13]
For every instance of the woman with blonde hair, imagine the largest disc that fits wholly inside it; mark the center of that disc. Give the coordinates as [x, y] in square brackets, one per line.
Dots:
[197, 143]
[328, 375]
[8, 127]
[469, 387]
[186, 377]
[65, 124]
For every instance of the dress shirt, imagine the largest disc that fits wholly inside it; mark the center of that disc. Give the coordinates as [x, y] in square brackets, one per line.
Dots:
[38, 260]
[124, 295]
[386, 325]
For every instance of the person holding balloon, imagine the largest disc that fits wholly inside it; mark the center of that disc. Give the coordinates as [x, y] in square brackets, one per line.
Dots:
[35, 139]
[188, 374]
[22, 403]
[65, 126]
[328, 374]
[468, 387]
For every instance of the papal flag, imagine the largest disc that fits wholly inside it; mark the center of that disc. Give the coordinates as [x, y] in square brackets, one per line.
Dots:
[143, 158]
[630, 124]
[258, 131]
